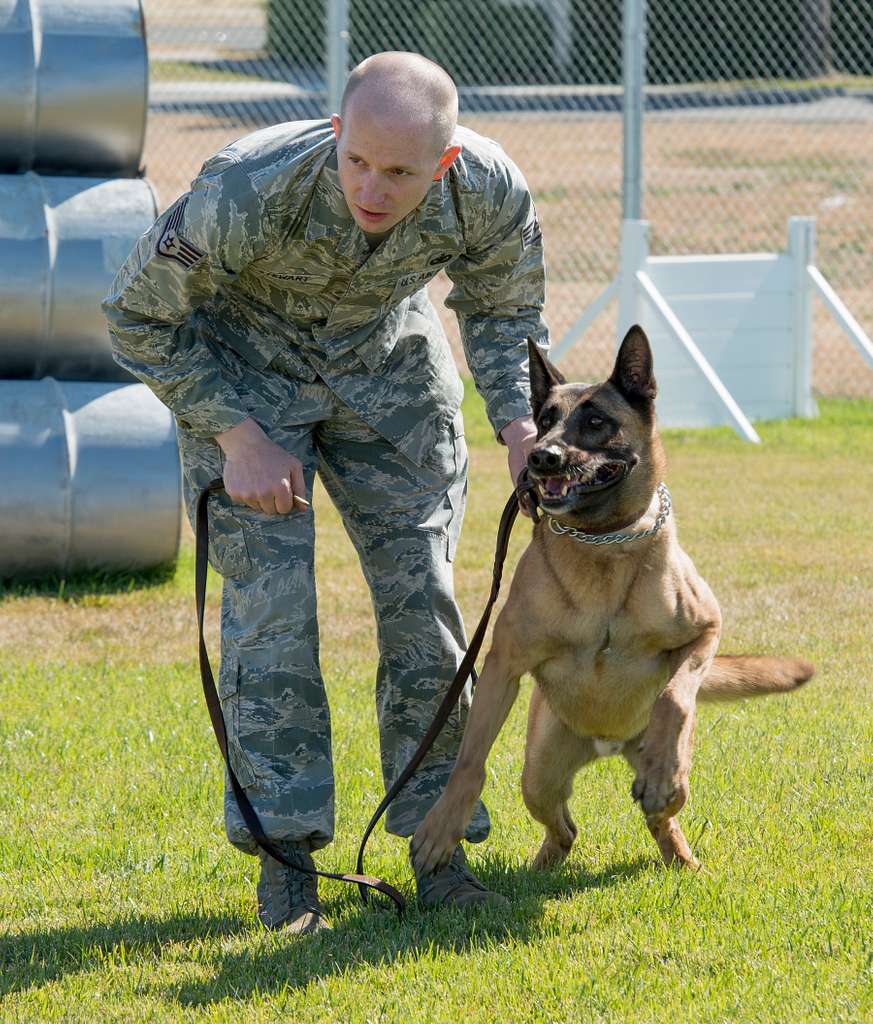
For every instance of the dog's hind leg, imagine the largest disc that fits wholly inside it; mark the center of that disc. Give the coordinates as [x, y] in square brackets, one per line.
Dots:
[663, 826]
[552, 757]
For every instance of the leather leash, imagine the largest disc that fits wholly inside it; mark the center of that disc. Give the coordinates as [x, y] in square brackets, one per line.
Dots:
[465, 671]
[248, 812]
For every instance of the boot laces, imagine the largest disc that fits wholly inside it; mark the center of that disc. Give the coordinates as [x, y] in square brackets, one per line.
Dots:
[302, 888]
[457, 868]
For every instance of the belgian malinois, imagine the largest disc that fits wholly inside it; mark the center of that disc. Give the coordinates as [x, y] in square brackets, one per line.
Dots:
[609, 616]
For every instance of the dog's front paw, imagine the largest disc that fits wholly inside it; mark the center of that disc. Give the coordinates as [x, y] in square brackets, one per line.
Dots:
[435, 840]
[661, 787]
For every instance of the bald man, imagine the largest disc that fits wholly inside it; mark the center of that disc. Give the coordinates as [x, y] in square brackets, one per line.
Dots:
[279, 310]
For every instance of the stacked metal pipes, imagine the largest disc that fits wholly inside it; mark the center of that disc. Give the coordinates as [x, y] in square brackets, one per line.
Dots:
[89, 468]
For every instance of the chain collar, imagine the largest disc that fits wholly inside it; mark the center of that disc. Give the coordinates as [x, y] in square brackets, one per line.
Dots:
[666, 504]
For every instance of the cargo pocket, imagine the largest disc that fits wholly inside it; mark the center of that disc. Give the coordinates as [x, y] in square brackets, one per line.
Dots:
[202, 461]
[457, 493]
[228, 553]
[228, 694]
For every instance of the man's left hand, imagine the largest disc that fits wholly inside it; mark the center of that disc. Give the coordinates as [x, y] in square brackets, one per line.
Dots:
[519, 436]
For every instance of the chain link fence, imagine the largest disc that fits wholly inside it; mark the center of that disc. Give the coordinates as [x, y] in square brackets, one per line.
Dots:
[756, 110]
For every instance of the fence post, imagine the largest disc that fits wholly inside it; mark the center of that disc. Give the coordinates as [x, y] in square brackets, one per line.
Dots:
[634, 254]
[562, 36]
[337, 52]
[801, 248]
[633, 64]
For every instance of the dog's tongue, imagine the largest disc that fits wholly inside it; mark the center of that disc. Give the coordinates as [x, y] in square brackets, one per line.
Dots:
[555, 485]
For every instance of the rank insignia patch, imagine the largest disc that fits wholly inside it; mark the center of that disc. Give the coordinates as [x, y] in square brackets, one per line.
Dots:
[531, 233]
[174, 246]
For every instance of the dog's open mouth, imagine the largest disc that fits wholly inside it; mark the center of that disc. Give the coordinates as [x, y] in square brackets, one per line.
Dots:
[578, 480]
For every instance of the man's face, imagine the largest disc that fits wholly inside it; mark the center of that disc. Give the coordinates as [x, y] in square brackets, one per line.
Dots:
[385, 170]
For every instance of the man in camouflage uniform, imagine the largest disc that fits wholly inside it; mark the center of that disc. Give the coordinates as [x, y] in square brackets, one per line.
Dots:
[279, 310]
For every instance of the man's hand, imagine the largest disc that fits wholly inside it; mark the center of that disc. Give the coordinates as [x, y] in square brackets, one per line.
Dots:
[260, 474]
[519, 436]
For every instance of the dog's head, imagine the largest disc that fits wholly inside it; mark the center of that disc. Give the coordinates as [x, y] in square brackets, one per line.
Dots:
[597, 459]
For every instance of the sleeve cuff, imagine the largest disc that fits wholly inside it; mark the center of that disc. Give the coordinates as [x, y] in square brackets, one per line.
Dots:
[505, 408]
[207, 419]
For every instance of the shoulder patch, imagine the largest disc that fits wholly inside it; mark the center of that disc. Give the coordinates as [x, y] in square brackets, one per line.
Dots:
[175, 246]
[531, 233]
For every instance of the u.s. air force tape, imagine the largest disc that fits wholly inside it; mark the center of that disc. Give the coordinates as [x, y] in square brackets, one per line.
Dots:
[175, 246]
[531, 233]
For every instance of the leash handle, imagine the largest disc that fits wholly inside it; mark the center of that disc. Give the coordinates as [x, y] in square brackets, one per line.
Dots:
[465, 670]
[201, 563]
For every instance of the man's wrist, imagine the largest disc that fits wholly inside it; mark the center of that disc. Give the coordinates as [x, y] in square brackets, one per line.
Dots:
[518, 430]
[240, 437]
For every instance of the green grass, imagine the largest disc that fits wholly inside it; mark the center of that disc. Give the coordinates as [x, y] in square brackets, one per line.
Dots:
[122, 902]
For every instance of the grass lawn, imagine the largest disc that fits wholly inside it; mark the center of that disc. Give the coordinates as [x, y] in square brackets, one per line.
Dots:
[122, 901]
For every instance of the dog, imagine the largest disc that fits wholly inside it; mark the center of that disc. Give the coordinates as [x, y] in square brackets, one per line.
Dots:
[609, 616]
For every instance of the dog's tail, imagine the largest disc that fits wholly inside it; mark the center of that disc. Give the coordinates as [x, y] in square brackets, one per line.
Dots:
[733, 677]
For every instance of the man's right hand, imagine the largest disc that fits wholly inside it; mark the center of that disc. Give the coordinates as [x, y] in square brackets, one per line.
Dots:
[260, 474]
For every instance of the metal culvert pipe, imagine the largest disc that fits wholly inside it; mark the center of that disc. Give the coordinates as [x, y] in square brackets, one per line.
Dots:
[91, 478]
[61, 242]
[73, 86]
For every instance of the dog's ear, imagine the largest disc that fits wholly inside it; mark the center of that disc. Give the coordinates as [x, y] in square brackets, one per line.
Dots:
[633, 373]
[543, 377]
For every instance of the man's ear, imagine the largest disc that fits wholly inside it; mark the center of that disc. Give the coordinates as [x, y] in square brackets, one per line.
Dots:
[633, 373]
[336, 123]
[543, 377]
[446, 161]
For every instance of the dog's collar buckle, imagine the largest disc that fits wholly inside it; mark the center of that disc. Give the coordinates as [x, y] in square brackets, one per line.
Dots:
[619, 537]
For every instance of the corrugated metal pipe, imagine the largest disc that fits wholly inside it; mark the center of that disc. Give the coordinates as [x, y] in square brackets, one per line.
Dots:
[73, 86]
[61, 242]
[90, 475]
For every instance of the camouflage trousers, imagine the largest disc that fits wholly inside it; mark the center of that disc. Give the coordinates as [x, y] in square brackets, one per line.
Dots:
[404, 522]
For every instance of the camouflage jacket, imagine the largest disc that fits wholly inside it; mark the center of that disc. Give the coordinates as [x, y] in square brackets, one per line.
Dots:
[260, 267]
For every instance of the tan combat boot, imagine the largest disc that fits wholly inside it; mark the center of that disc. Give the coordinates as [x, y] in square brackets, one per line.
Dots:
[288, 898]
[456, 886]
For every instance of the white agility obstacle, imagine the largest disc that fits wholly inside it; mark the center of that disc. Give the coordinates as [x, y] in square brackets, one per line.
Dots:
[731, 334]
